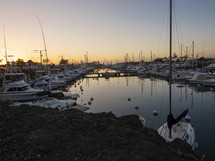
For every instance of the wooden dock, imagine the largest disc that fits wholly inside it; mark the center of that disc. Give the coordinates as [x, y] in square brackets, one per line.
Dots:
[112, 74]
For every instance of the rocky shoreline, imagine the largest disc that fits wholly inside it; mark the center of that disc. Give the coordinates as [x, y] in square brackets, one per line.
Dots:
[44, 134]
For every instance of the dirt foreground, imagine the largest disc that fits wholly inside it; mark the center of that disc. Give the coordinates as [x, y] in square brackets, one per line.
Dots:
[40, 134]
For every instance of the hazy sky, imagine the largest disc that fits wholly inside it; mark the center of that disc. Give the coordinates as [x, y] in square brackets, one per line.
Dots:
[107, 29]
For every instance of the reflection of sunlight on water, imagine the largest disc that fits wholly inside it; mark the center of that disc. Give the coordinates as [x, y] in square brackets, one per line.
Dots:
[151, 94]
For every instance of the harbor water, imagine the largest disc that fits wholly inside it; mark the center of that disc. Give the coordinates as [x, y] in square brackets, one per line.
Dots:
[135, 95]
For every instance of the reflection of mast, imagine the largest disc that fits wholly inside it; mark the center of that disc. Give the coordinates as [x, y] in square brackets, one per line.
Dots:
[142, 87]
[126, 81]
[192, 99]
[151, 87]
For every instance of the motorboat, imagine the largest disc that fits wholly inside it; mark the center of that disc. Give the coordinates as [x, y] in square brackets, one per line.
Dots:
[198, 78]
[20, 91]
[42, 84]
[209, 82]
[182, 75]
[49, 102]
[52, 81]
[54, 103]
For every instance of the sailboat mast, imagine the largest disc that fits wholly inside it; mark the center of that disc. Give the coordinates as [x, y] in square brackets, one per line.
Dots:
[170, 59]
[170, 63]
[151, 59]
[181, 55]
[193, 53]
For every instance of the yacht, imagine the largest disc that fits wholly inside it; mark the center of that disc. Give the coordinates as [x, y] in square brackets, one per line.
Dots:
[209, 82]
[198, 78]
[42, 84]
[20, 91]
[49, 102]
[52, 81]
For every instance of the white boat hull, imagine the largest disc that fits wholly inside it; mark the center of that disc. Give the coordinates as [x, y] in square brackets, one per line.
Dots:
[19, 96]
[209, 82]
[181, 130]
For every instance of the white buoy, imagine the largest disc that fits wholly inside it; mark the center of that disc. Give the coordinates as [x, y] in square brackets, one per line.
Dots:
[155, 113]
[187, 118]
[89, 102]
[129, 99]
[91, 98]
[136, 107]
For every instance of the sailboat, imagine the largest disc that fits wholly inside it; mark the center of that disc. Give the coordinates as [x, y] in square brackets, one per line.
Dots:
[175, 127]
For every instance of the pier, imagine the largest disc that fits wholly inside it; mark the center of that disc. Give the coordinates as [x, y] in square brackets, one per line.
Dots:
[110, 74]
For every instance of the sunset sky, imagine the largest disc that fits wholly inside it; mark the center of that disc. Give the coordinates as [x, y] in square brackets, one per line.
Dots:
[107, 29]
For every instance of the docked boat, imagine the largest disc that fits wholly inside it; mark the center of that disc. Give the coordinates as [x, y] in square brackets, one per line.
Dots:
[198, 78]
[52, 81]
[179, 129]
[20, 91]
[209, 82]
[54, 103]
[42, 84]
[49, 102]
[182, 75]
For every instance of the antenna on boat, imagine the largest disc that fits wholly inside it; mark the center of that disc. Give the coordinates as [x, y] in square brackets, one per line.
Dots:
[5, 46]
[44, 42]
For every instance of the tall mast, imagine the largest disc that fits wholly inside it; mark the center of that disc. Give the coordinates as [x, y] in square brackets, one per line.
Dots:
[170, 64]
[181, 55]
[151, 58]
[193, 52]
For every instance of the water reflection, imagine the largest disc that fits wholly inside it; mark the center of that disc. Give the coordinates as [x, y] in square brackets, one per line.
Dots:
[151, 94]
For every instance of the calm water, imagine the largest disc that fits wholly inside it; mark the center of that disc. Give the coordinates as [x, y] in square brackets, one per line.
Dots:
[152, 94]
